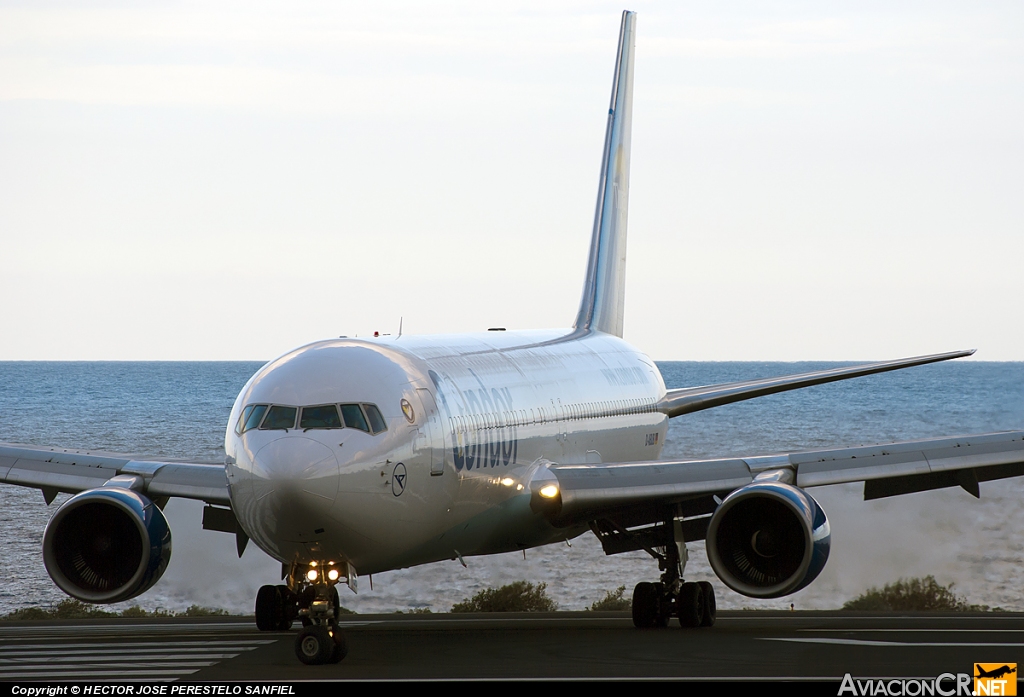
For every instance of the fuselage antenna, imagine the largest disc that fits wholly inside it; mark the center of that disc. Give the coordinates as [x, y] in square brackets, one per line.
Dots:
[399, 328]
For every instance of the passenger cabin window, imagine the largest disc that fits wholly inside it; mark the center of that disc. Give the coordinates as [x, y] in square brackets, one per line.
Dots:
[325, 416]
[354, 417]
[279, 418]
[377, 424]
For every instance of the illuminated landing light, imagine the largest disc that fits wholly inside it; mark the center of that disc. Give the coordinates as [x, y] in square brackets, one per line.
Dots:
[311, 574]
[333, 575]
[508, 481]
[519, 487]
[549, 492]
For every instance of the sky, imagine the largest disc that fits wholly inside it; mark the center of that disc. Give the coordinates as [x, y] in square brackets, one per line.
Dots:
[218, 180]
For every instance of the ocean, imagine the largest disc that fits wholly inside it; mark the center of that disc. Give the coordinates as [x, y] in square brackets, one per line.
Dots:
[180, 409]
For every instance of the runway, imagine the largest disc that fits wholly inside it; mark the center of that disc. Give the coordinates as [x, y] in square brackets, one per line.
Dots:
[742, 645]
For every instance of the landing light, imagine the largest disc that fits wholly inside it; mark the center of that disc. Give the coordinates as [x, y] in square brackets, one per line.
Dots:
[311, 574]
[549, 492]
[508, 481]
[333, 574]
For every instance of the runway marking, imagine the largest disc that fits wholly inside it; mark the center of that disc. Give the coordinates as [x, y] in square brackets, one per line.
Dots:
[958, 631]
[162, 645]
[117, 675]
[870, 642]
[118, 627]
[36, 657]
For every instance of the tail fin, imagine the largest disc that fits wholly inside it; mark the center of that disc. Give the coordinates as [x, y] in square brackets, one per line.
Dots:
[604, 290]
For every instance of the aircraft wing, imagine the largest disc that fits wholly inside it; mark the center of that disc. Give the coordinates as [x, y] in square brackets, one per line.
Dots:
[55, 470]
[648, 492]
[691, 399]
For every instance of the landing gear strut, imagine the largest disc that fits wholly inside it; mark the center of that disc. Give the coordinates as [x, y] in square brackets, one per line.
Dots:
[654, 604]
[313, 599]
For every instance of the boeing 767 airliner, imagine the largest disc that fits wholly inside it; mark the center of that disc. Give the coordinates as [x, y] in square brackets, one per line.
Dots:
[349, 457]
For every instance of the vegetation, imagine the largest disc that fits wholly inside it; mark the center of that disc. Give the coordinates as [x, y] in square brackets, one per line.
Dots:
[72, 609]
[613, 601]
[515, 597]
[913, 595]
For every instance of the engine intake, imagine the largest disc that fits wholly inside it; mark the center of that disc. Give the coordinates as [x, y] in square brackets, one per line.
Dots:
[106, 545]
[768, 539]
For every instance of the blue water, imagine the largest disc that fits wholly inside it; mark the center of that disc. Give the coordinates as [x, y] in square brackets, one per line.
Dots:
[180, 410]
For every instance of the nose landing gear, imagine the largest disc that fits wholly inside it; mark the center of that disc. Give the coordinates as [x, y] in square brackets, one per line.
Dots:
[311, 597]
[318, 644]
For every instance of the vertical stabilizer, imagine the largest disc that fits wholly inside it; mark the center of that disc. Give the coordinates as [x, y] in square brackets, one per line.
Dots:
[604, 290]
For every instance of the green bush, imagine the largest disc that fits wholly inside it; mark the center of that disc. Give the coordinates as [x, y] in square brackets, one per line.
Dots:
[72, 609]
[912, 595]
[515, 597]
[613, 601]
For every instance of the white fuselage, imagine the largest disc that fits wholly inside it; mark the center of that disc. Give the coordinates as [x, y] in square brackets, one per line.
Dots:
[450, 476]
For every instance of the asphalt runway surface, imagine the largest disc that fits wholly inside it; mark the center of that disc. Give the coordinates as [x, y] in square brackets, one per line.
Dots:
[742, 645]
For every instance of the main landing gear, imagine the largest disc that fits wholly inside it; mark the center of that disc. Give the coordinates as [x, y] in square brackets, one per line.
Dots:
[311, 596]
[654, 604]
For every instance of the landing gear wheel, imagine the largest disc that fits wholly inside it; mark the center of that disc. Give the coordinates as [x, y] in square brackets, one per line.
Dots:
[266, 604]
[315, 646]
[648, 610]
[275, 609]
[340, 645]
[710, 607]
[690, 605]
[337, 602]
[284, 609]
[665, 609]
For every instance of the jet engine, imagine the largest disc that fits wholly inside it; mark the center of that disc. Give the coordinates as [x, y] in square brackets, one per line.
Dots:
[768, 539]
[106, 545]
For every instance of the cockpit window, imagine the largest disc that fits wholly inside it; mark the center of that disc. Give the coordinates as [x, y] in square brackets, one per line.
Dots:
[241, 419]
[279, 418]
[376, 420]
[354, 417]
[325, 416]
[250, 417]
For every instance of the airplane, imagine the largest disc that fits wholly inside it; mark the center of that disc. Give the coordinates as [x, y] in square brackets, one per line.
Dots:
[349, 457]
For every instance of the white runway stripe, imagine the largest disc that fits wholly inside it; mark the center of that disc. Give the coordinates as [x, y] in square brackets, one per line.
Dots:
[136, 645]
[97, 657]
[869, 642]
[8, 656]
[39, 658]
[102, 675]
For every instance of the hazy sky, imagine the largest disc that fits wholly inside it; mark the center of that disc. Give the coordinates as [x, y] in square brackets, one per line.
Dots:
[229, 180]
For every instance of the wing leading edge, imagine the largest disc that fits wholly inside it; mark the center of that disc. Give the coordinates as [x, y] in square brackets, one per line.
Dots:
[642, 492]
[690, 399]
[54, 470]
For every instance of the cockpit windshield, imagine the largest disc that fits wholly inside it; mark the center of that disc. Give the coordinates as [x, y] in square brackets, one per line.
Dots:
[376, 420]
[354, 417]
[364, 417]
[279, 418]
[325, 416]
[250, 417]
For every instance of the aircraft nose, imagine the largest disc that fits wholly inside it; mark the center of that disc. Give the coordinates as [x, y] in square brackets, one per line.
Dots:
[295, 473]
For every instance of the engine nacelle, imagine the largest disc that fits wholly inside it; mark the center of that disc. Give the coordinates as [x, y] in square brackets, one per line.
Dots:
[106, 545]
[768, 539]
